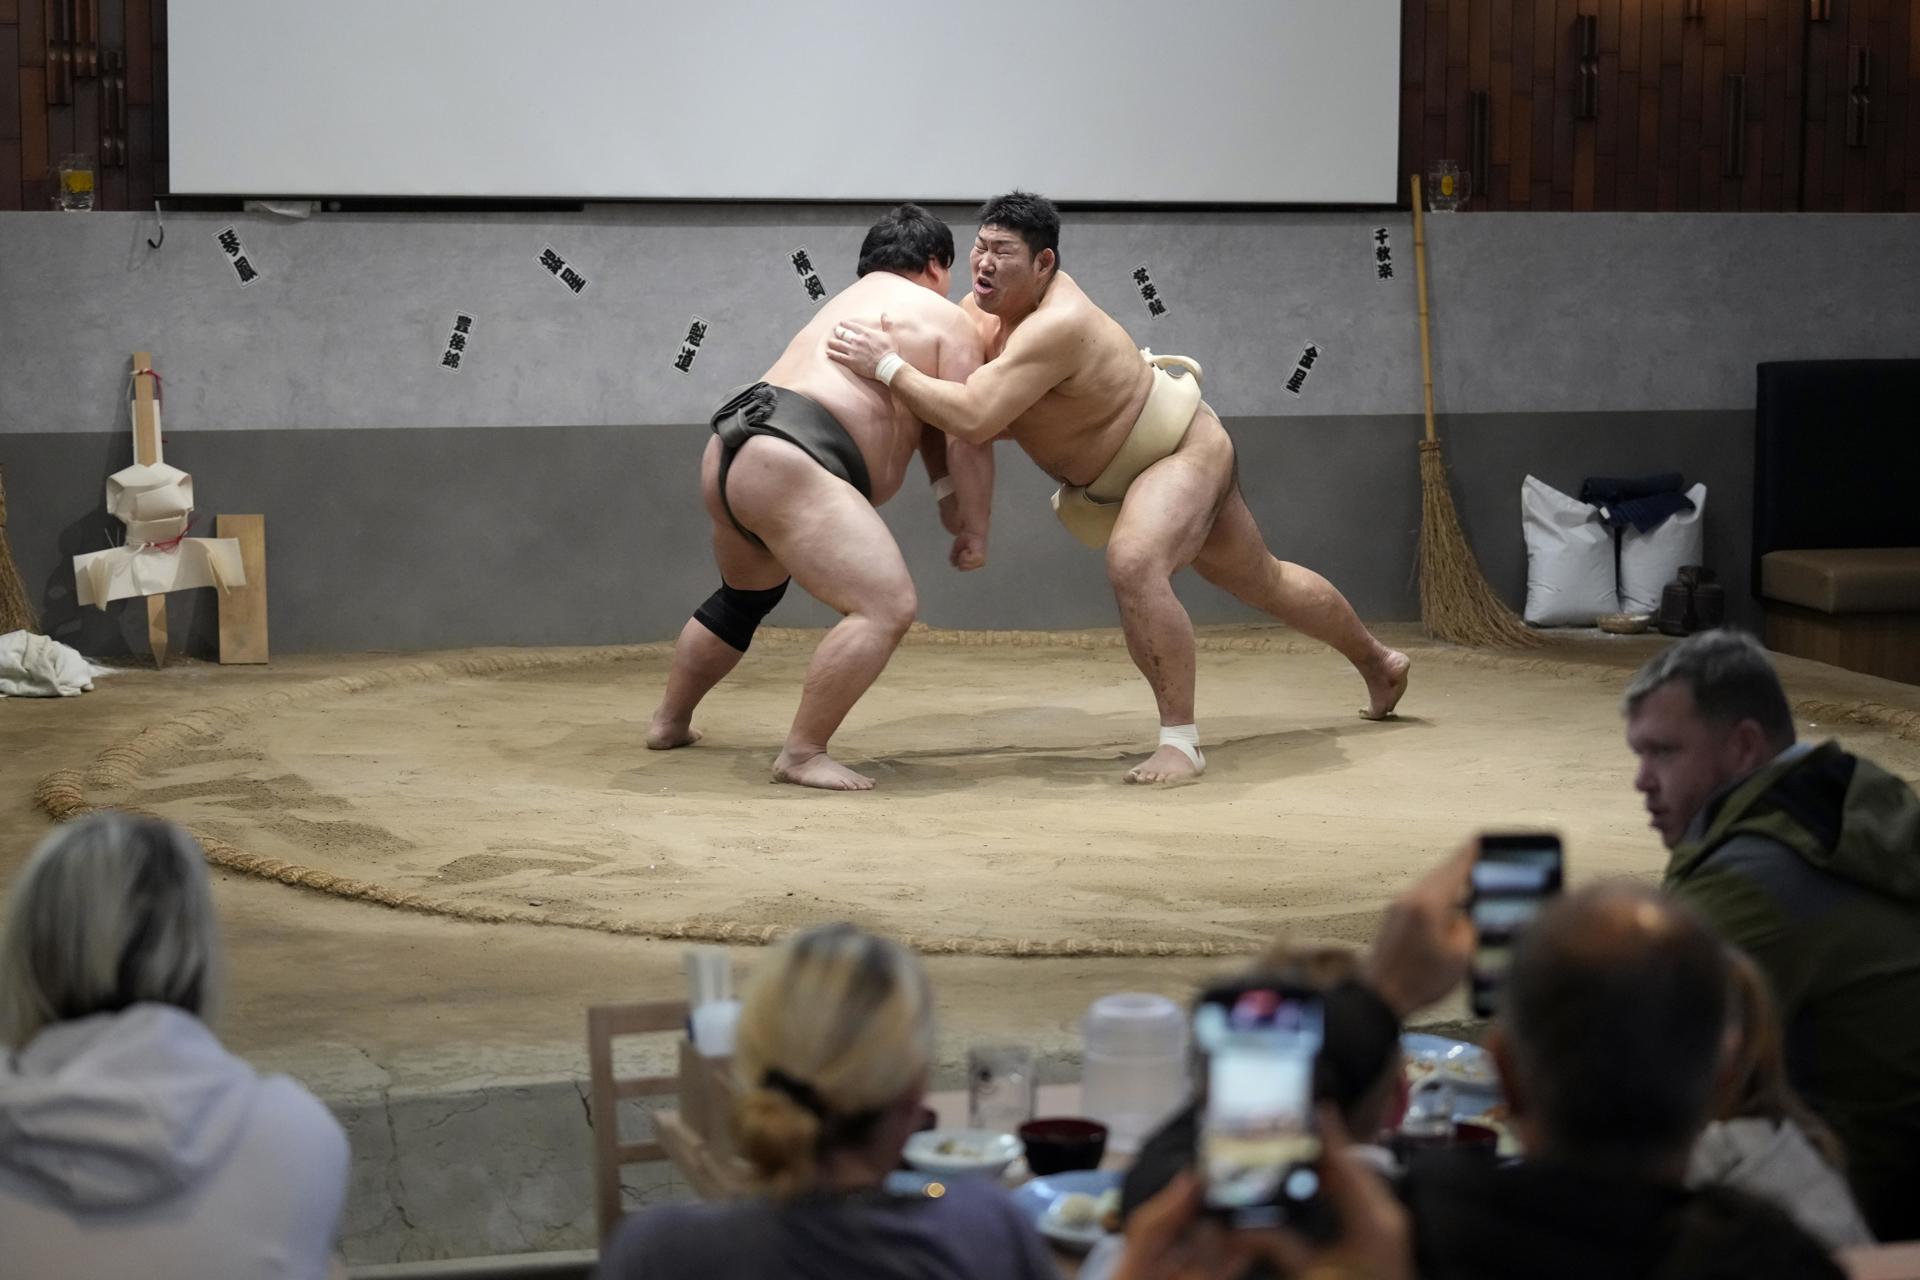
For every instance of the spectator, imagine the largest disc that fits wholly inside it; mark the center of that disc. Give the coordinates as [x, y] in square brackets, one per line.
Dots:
[833, 1049]
[1765, 1141]
[132, 1143]
[1609, 1040]
[1808, 859]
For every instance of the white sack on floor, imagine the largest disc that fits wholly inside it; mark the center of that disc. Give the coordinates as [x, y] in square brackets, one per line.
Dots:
[1649, 561]
[32, 666]
[1570, 578]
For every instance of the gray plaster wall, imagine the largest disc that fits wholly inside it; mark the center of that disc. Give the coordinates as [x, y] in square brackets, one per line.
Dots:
[544, 493]
[1531, 312]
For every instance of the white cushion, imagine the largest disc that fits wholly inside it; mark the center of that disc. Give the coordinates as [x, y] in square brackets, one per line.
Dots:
[1570, 578]
[1649, 561]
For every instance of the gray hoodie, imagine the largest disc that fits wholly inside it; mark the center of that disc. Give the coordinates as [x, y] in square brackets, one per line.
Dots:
[1774, 1161]
[133, 1144]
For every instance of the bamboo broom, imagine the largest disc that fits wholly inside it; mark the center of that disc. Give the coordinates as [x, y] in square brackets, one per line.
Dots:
[1456, 602]
[16, 610]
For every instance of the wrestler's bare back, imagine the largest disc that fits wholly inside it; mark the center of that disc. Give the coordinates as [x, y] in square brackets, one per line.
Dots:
[1073, 430]
[922, 323]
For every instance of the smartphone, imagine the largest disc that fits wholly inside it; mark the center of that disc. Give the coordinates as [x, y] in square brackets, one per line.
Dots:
[1257, 1147]
[1512, 879]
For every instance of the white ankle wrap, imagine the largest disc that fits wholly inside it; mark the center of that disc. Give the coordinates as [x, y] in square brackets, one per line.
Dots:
[1185, 738]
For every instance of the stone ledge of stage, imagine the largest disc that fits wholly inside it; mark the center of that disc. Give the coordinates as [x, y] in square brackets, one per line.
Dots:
[468, 1151]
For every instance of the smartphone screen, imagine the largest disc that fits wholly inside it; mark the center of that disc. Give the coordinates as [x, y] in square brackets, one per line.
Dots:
[1512, 879]
[1257, 1141]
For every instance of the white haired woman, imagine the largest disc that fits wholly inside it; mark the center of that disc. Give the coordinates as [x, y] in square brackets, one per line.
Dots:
[131, 1142]
[833, 1048]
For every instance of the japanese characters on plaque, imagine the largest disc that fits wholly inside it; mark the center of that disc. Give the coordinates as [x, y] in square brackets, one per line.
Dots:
[243, 265]
[1382, 255]
[560, 269]
[803, 267]
[457, 339]
[690, 345]
[1149, 293]
[1303, 368]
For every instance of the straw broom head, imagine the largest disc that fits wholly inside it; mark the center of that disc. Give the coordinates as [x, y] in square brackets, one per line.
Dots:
[16, 610]
[1456, 602]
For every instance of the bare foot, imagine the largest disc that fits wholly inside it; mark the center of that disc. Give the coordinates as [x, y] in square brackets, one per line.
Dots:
[1169, 766]
[664, 734]
[819, 770]
[1385, 684]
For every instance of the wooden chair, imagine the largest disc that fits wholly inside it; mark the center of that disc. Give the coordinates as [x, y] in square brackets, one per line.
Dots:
[605, 1024]
[699, 1135]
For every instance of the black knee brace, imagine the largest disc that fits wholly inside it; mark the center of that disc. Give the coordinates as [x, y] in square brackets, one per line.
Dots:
[734, 615]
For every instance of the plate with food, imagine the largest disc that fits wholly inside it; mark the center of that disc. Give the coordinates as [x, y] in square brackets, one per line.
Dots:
[1074, 1210]
[960, 1151]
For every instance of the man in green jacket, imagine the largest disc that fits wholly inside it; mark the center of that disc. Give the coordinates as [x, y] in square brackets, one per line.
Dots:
[1808, 858]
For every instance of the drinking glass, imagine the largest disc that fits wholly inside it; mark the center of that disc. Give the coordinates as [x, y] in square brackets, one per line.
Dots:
[1000, 1087]
[1448, 187]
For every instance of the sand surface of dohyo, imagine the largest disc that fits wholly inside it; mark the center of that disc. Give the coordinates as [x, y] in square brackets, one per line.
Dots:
[508, 792]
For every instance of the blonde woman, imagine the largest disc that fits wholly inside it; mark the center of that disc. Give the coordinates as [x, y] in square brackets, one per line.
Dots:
[131, 1143]
[1764, 1140]
[833, 1049]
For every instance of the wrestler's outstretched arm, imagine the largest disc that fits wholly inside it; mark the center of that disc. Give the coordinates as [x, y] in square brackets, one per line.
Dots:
[1038, 357]
[933, 452]
[969, 463]
[971, 466]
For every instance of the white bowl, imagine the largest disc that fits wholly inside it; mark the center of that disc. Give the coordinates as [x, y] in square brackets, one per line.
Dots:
[951, 1152]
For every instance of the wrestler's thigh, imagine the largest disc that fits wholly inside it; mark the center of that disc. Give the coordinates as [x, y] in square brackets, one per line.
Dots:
[829, 537]
[1168, 511]
[1234, 548]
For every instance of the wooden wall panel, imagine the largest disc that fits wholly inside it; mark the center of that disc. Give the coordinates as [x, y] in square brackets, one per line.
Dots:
[1520, 132]
[33, 33]
[34, 186]
[139, 54]
[35, 133]
[9, 90]
[1499, 99]
[9, 174]
[142, 183]
[1660, 139]
[1413, 47]
[1901, 57]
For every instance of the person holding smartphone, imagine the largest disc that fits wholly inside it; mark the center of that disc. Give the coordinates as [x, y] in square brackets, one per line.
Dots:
[1609, 1040]
[1423, 950]
[1609, 1043]
[1172, 1237]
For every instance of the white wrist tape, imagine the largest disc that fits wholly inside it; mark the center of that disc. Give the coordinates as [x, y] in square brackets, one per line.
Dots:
[943, 488]
[889, 365]
[1186, 739]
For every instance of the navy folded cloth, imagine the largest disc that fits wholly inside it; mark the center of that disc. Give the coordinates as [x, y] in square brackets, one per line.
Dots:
[1641, 501]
